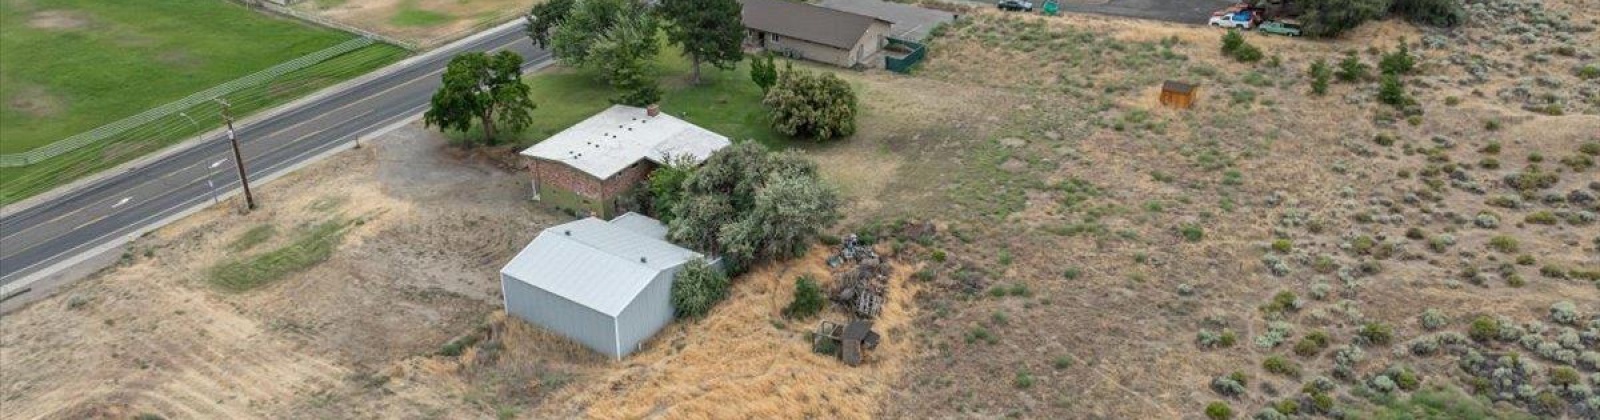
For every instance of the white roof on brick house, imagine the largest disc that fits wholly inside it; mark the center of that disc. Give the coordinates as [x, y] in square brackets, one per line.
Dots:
[598, 264]
[608, 142]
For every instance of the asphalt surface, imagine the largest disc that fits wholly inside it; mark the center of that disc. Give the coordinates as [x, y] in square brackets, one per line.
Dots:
[55, 230]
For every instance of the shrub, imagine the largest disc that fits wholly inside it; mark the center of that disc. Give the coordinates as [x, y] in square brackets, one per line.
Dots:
[1483, 329]
[1564, 312]
[1287, 407]
[1227, 386]
[1504, 244]
[1431, 12]
[1351, 69]
[1328, 18]
[1589, 72]
[1433, 319]
[1192, 232]
[1231, 41]
[1392, 92]
[1398, 62]
[1024, 380]
[1282, 246]
[1280, 365]
[1062, 362]
[1218, 410]
[811, 105]
[1542, 217]
[1320, 75]
[1212, 339]
[1284, 301]
[1377, 333]
[698, 287]
[808, 300]
[1563, 376]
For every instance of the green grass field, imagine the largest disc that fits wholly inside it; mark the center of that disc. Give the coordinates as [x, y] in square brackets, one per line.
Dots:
[68, 66]
[726, 101]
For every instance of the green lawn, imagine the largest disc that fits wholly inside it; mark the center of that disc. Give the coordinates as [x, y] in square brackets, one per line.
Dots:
[726, 101]
[67, 66]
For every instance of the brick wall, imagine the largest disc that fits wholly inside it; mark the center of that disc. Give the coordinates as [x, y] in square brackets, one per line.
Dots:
[567, 187]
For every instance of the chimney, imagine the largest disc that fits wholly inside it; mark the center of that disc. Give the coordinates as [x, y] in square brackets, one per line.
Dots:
[652, 110]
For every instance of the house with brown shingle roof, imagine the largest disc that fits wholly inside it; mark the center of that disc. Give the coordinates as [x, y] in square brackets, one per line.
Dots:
[815, 33]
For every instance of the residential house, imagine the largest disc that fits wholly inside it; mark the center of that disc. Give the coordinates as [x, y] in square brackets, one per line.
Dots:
[815, 33]
[589, 166]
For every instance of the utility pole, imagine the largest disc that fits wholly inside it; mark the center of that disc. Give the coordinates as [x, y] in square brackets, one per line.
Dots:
[238, 158]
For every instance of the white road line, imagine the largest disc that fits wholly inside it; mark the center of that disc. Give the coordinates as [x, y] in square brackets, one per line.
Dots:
[124, 200]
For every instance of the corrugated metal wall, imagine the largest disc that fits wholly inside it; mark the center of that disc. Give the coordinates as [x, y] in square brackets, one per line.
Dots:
[561, 316]
[648, 312]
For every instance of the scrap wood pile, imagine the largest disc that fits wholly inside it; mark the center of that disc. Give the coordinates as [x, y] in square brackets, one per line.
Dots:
[861, 278]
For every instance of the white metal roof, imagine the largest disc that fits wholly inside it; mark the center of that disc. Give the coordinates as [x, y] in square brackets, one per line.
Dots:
[594, 263]
[641, 224]
[605, 143]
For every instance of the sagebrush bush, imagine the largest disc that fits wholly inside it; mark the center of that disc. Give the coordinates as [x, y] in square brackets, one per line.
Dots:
[697, 288]
[1281, 365]
[1564, 312]
[1433, 319]
[1483, 329]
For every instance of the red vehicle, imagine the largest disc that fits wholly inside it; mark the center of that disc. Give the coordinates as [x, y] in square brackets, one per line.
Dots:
[1236, 7]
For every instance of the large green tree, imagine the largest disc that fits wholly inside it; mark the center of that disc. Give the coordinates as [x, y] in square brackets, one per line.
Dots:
[482, 87]
[585, 21]
[710, 31]
[623, 54]
[544, 17]
[751, 205]
[811, 105]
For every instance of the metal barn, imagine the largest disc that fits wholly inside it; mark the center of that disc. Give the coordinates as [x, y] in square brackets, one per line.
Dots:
[606, 285]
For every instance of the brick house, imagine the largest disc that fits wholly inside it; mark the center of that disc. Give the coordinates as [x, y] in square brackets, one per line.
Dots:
[587, 167]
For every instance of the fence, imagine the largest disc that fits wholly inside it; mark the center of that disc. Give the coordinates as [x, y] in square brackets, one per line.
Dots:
[173, 108]
[904, 64]
[82, 155]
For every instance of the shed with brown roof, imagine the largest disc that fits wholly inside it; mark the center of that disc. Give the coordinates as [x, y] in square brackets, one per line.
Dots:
[814, 33]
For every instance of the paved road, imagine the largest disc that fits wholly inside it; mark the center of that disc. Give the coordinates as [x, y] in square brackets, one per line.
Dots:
[53, 231]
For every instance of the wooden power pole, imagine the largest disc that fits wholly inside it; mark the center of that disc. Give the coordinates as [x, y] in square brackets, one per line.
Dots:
[238, 158]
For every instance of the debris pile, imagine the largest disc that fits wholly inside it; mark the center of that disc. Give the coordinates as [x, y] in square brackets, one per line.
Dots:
[849, 342]
[860, 287]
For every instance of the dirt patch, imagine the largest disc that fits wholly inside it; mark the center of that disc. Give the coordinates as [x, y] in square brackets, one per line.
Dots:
[58, 20]
[450, 18]
[36, 102]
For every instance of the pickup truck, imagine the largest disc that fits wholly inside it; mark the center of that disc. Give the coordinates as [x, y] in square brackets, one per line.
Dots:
[1242, 20]
[1280, 28]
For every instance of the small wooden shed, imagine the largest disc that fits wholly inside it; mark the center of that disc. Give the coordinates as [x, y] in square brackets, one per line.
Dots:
[1178, 94]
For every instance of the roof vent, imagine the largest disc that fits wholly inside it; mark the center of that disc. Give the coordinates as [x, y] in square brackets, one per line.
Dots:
[642, 260]
[567, 232]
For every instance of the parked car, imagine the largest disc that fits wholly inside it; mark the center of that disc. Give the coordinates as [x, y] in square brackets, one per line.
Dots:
[1241, 20]
[1280, 28]
[1015, 5]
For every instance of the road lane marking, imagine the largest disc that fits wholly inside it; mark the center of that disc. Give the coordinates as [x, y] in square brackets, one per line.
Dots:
[124, 200]
[266, 172]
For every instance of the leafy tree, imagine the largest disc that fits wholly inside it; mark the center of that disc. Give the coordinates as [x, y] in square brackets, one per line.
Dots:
[545, 17]
[1431, 12]
[1320, 74]
[666, 186]
[1398, 62]
[585, 21]
[1329, 18]
[698, 287]
[710, 31]
[1392, 92]
[806, 104]
[750, 205]
[764, 72]
[623, 55]
[1351, 68]
[489, 89]
[808, 299]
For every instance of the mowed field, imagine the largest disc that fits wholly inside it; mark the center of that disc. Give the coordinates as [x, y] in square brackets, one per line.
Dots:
[67, 66]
